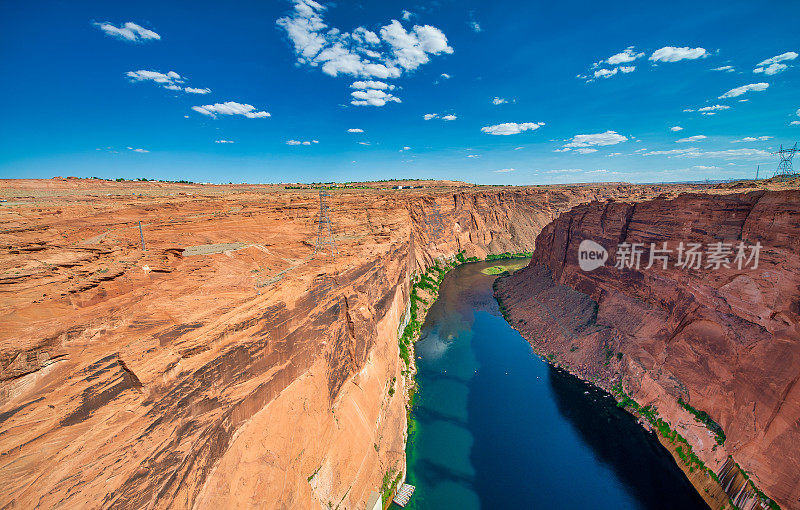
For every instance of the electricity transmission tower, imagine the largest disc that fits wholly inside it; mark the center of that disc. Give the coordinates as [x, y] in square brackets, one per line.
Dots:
[325, 227]
[435, 221]
[785, 166]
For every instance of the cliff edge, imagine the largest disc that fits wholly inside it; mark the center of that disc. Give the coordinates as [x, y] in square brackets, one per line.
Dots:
[712, 347]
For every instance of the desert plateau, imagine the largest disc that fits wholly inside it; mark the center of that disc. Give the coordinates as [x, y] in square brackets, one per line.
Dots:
[430, 255]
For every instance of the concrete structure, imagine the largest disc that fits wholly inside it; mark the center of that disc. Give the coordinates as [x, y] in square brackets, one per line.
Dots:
[375, 502]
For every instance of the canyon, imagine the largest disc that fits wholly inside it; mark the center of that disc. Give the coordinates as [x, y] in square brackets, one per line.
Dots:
[721, 344]
[215, 357]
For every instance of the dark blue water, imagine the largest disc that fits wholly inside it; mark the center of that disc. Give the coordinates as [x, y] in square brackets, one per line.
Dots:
[496, 427]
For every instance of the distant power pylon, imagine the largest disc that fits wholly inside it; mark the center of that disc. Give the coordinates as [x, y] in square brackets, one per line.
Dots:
[435, 220]
[325, 227]
[785, 166]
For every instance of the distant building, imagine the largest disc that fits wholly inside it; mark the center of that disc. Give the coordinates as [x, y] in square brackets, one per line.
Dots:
[375, 502]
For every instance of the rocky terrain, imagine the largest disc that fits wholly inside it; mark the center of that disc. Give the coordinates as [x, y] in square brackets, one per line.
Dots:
[714, 351]
[227, 363]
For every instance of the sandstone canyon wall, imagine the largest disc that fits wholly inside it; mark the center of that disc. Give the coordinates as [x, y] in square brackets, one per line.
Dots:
[227, 364]
[726, 341]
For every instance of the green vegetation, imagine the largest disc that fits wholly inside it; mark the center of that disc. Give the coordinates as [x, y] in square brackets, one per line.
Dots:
[650, 413]
[494, 270]
[704, 418]
[682, 446]
[463, 259]
[509, 255]
[761, 495]
[312, 475]
[608, 352]
[389, 484]
[500, 304]
[429, 281]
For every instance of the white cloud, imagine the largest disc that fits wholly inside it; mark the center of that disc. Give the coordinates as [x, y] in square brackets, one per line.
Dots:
[169, 81]
[795, 123]
[230, 108]
[298, 142]
[129, 32]
[499, 100]
[475, 26]
[429, 116]
[363, 143]
[170, 78]
[729, 154]
[406, 149]
[361, 53]
[564, 171]
[407, 15]
[596, 139]
[371, 84]
[446, 76]
[355, 130]
[738, 91]
[676, 128]
[728, 69]
[671, 152]
[605, 73]
[771, 69]
[504, 170]
[585, 150]
[773, 65]
[138, 150]
[629, 55]
[372, 97]
[614, 154]
[624, 57]
[673, 54]
[752, 139]
[688, 139]
[511, 128]
[473, 156]
[223, 141]
[712, 108]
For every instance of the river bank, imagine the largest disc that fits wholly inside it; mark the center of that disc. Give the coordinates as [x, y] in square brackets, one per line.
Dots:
[493, 425]
[734, 491]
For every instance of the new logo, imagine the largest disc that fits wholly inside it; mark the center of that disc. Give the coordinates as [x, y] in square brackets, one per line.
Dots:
[591, 255]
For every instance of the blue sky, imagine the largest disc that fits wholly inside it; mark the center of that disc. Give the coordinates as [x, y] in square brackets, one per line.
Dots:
[488, 92]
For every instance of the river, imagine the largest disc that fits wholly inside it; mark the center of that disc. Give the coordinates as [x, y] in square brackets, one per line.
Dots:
[497, 427]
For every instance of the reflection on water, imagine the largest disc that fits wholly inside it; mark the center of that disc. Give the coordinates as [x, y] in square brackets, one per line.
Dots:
[496, 426]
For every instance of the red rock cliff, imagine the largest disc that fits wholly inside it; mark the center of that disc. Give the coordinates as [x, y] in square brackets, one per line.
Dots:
[226, 365]
[725, 341]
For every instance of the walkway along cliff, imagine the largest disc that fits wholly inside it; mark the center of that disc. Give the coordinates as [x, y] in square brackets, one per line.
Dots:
[226, 365]
[709, 357]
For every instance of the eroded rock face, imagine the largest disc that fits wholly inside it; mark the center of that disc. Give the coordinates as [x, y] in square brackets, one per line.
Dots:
[227, 365]
[726, 341]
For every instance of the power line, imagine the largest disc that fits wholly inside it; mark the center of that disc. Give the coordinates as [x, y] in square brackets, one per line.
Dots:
[325, 237]
[785, 166]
